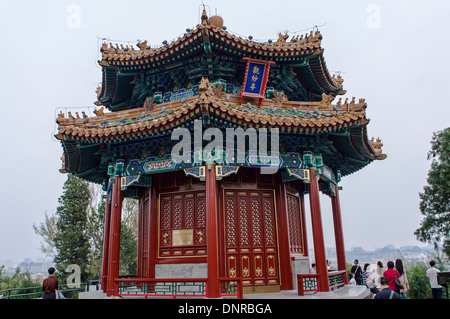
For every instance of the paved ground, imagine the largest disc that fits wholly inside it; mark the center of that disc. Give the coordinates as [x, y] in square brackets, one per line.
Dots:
[347, 292]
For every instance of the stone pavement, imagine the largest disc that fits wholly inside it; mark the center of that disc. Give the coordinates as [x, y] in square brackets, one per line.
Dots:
[346, 292]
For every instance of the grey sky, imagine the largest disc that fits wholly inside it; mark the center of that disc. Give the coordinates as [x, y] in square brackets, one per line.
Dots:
[400, 68]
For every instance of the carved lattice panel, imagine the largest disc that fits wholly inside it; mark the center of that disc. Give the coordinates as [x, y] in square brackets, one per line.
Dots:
[295, 224]
[167, 180]
[182, 224]
[145, 229]
[250, 237]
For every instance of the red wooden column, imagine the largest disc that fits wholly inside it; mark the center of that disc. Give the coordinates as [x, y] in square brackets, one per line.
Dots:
[212, 232]
[338, 232]
[106, 242]
[303, 216]
[286, 282]
[317, 230]
[153, 245]
[114, 240]
[140, 243]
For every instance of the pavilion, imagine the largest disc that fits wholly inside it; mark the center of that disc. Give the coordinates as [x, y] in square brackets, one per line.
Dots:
[211, 217]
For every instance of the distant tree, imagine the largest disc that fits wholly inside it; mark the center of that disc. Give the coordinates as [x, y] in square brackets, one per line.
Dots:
[82, 205]
[71, 240]
[130, 208]
[95, 228]
[19, 280]
[435, 199]
[128, 237]
[47, 230]
[128, 251]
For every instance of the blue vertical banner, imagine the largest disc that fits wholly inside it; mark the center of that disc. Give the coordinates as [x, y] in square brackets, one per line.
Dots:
[256, 77]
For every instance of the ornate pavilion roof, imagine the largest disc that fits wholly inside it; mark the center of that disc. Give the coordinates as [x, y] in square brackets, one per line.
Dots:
[335, 129]
[208, 50]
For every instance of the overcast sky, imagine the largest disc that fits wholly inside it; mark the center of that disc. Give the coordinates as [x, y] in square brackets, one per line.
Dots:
[392, 53]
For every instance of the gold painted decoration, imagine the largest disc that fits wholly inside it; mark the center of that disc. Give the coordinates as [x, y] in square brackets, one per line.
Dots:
[197, 172]
[224, 171]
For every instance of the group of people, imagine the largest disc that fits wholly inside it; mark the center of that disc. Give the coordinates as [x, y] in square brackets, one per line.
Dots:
[393, 282]
[313, 267]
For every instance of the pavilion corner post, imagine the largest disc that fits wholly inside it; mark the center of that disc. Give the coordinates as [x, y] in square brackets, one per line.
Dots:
[106, 230]
[304, 233]
[114, 239]
[153, 232]
[212, 233]
[317, 230]
[338, 232]
[284, 247]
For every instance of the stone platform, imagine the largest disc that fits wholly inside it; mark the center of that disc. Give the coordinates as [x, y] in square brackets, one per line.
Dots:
[346, 292]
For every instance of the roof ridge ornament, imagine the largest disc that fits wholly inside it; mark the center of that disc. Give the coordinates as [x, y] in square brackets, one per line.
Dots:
[205, 19]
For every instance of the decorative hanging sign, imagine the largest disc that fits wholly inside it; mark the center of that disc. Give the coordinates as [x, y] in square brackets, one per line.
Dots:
[256, 77]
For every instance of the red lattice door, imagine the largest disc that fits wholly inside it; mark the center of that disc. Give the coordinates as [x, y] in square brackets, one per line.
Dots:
[250, 235]
[183, 224]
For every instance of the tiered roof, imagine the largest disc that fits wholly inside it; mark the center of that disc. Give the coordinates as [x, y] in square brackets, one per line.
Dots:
[210, 50]
[327, 125]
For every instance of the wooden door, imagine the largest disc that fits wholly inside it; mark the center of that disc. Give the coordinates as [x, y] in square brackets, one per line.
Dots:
[250, 236]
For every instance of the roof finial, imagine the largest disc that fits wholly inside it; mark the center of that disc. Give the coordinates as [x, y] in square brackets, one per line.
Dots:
[205, 19]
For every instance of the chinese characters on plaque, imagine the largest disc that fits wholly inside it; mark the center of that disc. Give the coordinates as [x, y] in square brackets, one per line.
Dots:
[256, 77]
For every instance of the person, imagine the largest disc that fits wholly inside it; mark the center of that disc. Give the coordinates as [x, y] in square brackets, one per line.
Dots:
[370, 282]
[386, 292]
[391, 273]
[313, 269]
[403, 277]
[357, 272]
[380, 268]
[50, 285]
[328, 265]
[436, 289]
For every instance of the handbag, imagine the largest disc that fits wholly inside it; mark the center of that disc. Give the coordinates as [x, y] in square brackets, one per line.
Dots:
[370, 284]
[397, 282]
[360, 279]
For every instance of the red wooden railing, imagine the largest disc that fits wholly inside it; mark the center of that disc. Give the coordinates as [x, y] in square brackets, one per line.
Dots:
[307, 282]
[175, 287]
[311, 282]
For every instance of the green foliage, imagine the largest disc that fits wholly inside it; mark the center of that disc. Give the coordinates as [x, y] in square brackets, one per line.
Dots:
[96, 221]
[419, 286]
[435, 199]
[128, 237]
[19, 280]
[349, 267]
[76, 231]
[128, 251]
[71, 241]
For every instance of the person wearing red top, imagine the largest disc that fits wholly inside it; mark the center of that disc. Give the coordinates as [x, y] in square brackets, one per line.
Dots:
[50, 285]
[391, 274]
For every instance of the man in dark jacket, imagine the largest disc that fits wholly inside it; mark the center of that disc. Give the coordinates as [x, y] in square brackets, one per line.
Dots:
[386, 292]
[50, 285]
[357, 272]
